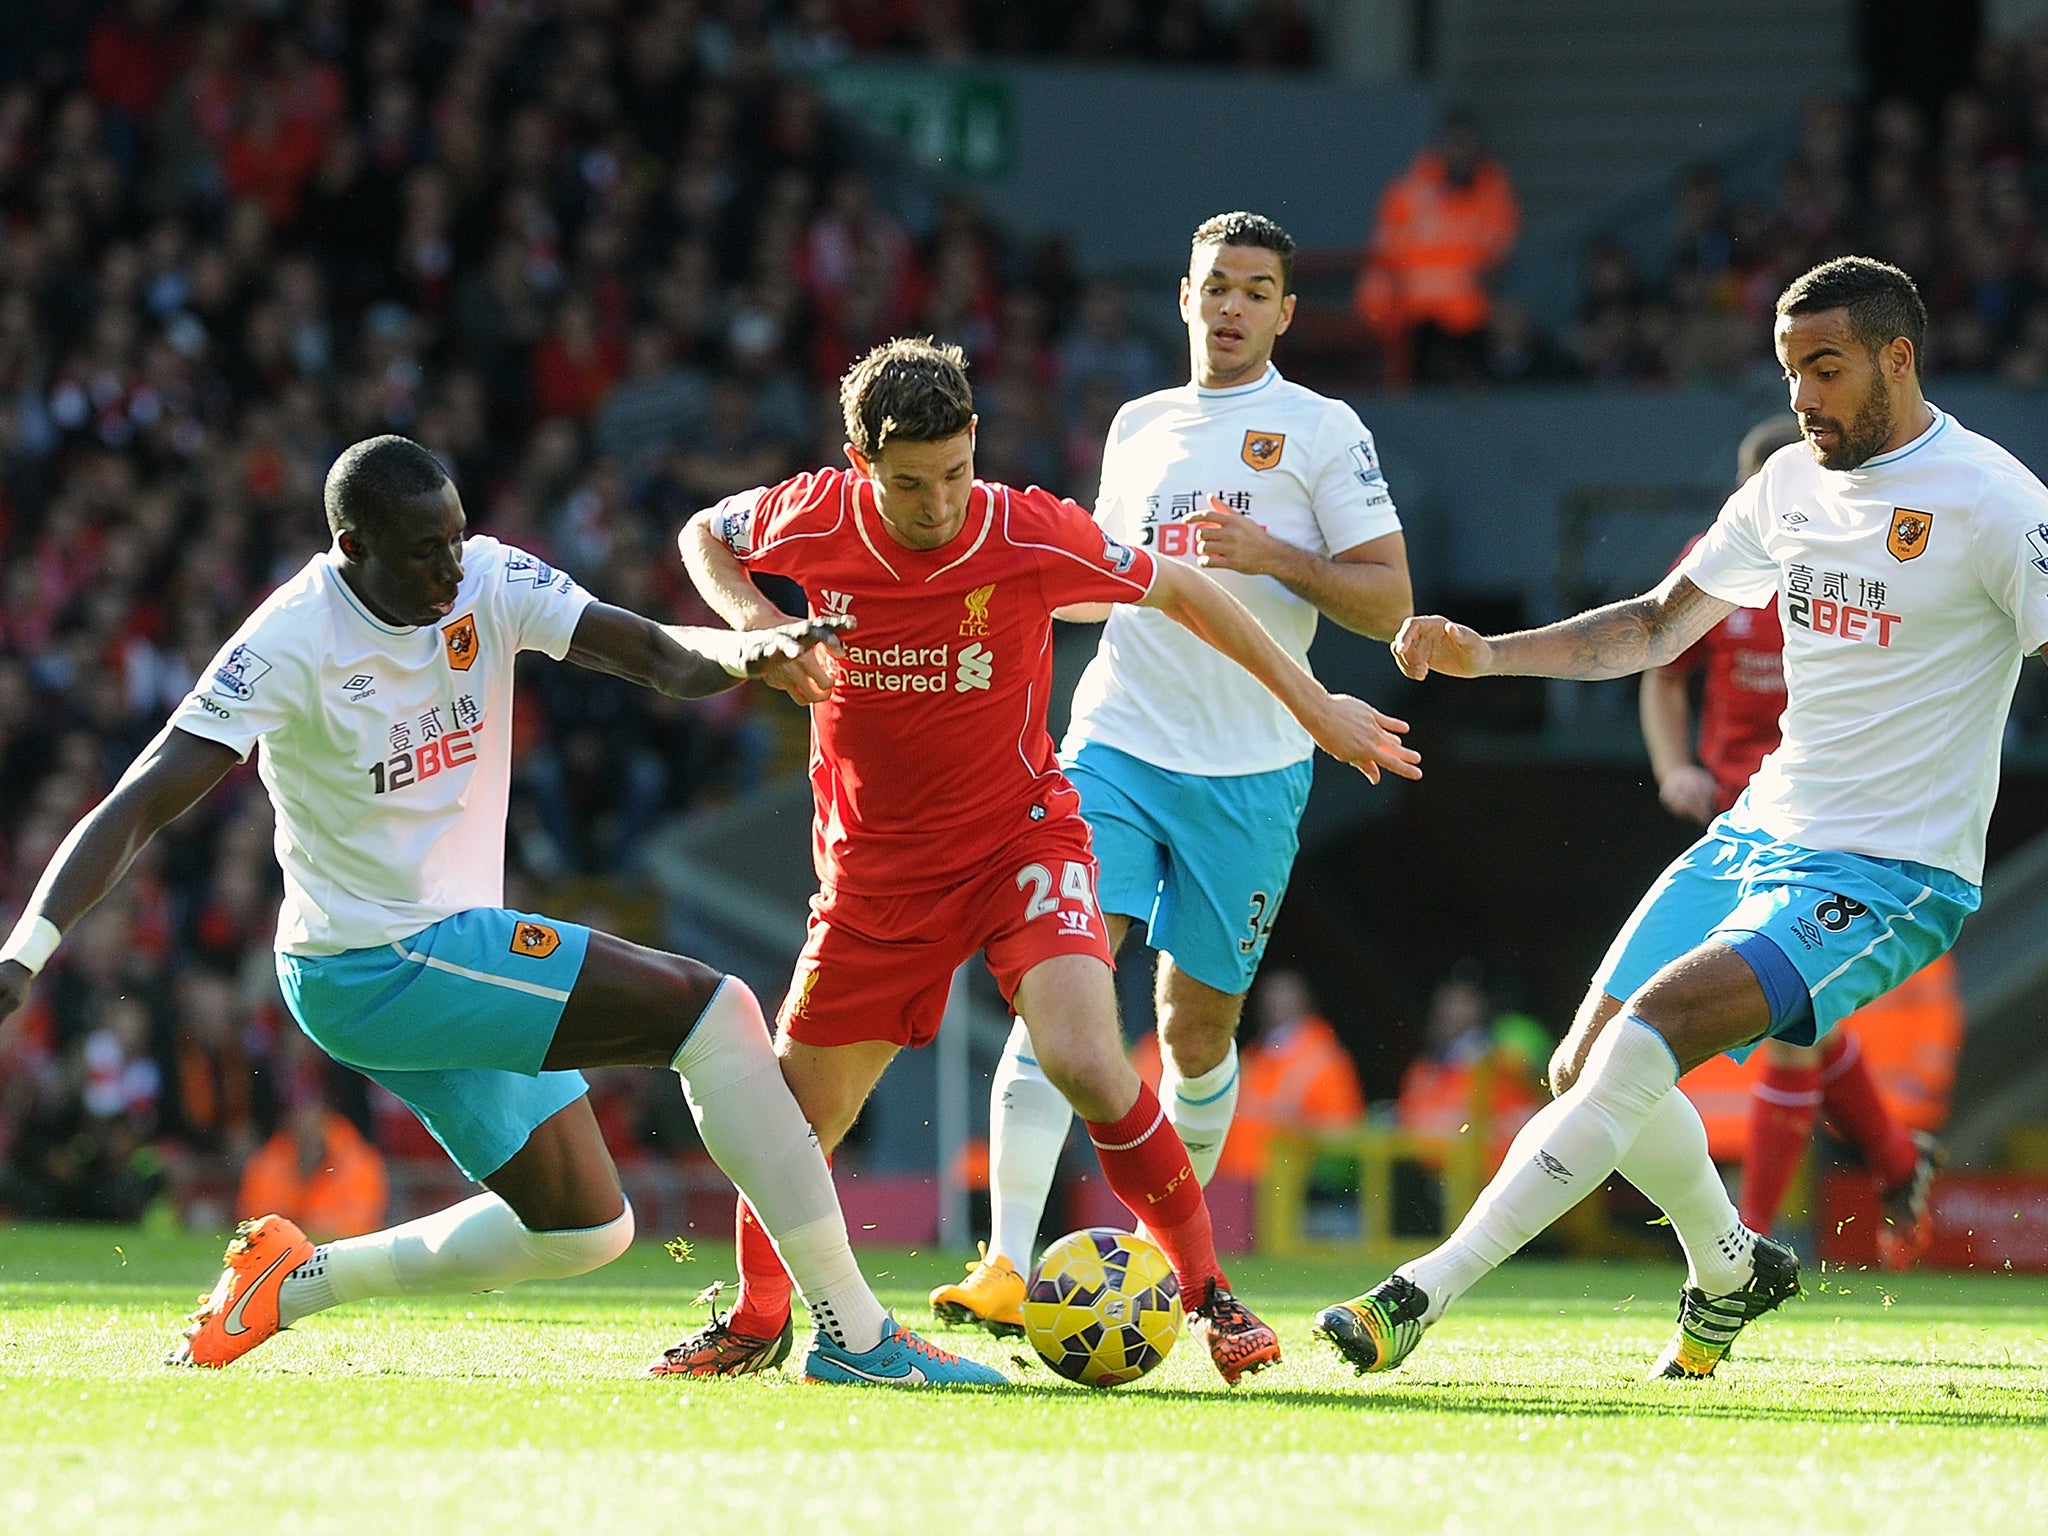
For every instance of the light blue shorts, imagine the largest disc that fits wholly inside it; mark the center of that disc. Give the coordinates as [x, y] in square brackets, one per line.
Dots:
[1852, 927]
[455, 1021]
[1201, 861]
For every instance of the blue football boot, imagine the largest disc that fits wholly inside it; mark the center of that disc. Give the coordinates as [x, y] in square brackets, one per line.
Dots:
[902, 1359]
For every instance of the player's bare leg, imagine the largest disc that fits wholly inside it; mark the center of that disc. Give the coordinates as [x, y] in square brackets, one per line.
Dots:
[1618, 1108]
[1069, 1005]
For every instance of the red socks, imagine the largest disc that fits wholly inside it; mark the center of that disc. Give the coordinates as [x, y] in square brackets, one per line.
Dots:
[765, 1286]
[1781, 1119]
[1148, 1169]
[1781, 1116]
[1853, 1106]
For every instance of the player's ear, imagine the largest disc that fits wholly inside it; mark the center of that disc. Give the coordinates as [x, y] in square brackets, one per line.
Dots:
[351, 544]
[860, 461]
[1286, 314]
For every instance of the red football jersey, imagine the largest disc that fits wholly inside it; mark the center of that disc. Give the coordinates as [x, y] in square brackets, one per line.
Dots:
[1742, 698]
[932, 753]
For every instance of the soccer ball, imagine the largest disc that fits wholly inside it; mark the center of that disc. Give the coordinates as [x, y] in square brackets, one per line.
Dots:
[1102, 1307]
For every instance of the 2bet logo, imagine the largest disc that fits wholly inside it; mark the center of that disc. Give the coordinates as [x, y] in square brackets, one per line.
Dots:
[455, 750]
[1838, 912]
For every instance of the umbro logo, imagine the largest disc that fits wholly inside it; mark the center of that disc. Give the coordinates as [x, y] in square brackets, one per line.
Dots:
[1793, 519]
[1554, 1168]
[360, 687]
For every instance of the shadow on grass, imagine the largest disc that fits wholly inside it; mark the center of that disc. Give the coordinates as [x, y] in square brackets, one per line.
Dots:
[2028, 1410]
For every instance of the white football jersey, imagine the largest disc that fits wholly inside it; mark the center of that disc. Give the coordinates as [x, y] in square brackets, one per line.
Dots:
[1300, 464]
[387, 752]
[1910, 591]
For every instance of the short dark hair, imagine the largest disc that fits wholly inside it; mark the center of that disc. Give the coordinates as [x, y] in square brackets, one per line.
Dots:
[374, 478]
[912, 388]
[1882, 301]
[1764, 439]
[1243, 228]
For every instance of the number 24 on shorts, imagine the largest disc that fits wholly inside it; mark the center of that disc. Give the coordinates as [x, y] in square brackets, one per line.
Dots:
[1075, 887]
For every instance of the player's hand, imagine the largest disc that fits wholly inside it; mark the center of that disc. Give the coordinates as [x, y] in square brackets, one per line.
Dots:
[1230, 541]
[1428, 644]
[14, 984]
[791, 657]
[1354, 732]
[1689, 793]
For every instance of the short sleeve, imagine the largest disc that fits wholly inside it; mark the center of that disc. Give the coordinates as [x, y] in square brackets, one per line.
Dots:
[1350, 498]
[248, 689]
[2011, 557]
[765, 527]
[1081, 563]
[540, 605]
[1730, 561]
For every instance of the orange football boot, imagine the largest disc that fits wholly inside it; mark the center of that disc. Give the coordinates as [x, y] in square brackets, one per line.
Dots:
[241, 1312]
[1239, 1343]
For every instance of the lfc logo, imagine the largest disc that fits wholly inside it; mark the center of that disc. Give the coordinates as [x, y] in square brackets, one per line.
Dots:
[460, 640]
[1262, 450]
[976, 622]
[536, 941]
[800, 1005]
[1909, 534]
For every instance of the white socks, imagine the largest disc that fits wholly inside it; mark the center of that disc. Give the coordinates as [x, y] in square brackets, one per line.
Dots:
[1566, 1151]
[479, 1245]
[1028, 1120]
[1670, 1163]
[1201, 1109]
[755, 1132]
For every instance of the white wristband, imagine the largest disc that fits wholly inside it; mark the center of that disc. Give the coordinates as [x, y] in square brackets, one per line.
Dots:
[31, 943]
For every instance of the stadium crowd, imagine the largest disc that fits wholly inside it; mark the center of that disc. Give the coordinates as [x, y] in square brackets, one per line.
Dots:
[1958, 197]
[607, 258]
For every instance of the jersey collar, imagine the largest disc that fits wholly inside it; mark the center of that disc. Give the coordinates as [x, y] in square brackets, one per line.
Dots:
[1886, 460]
[1264, 382]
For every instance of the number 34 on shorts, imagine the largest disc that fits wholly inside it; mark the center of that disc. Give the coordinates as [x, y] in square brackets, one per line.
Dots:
[1074, 908]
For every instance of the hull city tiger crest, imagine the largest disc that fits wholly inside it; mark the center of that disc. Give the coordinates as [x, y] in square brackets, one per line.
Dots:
[1262, 450]
[1909, 534]
[460, 640]
[536, 941]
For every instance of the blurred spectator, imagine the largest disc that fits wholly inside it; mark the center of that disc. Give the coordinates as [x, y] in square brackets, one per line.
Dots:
[1467, 1038]
[1443, 230]
[1296, 1076]
[319, 1171]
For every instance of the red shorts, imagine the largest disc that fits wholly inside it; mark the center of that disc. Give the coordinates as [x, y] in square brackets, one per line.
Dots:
[881, 967]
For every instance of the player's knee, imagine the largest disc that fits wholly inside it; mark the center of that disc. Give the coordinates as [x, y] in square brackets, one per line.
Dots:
[558, 1255]
[1196, 1040]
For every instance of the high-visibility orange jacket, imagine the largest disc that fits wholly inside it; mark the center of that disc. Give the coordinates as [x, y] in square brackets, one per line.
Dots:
[1433, 245]
[1299, 1078]
[1436, 1100]
[344, 1197]
[1910, 1040]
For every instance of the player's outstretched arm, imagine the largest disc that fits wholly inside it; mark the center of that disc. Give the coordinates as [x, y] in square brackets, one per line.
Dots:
[691, 663]
[159, 786]
[1349, 729]
[1616, 641]
[1364, 588]
[723, 582]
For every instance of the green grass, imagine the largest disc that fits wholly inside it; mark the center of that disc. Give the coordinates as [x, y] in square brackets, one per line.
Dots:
[1910, 1404]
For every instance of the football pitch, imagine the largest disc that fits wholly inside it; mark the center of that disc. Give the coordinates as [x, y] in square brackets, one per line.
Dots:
[1878, 1403]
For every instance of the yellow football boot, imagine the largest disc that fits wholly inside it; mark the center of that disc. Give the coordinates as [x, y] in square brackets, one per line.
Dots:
[991, 1297]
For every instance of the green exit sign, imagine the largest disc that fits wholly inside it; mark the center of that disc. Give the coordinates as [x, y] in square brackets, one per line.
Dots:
[960, 122]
